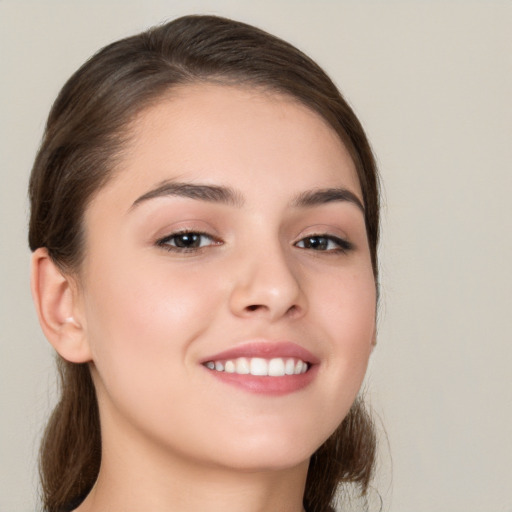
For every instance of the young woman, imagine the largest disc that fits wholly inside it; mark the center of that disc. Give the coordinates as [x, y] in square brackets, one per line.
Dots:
[204, 225]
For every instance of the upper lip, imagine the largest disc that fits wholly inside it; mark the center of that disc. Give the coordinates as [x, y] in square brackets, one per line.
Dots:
[265, 349]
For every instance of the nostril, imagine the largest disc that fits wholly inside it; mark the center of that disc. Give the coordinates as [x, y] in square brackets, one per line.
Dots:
[292, 310]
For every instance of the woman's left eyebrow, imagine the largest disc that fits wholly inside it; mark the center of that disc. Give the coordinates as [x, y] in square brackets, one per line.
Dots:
[326, 195]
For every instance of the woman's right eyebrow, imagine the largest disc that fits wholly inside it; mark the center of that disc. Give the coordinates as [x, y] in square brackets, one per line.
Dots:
[202, 192]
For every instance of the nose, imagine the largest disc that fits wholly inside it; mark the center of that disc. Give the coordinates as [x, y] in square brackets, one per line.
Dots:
[267, 284]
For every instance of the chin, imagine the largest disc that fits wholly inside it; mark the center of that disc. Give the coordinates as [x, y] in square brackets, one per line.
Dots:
[270, 452]
[269, 461]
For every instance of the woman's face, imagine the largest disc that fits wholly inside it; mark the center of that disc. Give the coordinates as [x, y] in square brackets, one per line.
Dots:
[230, 240]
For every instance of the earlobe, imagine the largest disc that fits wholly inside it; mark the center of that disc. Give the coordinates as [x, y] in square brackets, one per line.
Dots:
[58, 308]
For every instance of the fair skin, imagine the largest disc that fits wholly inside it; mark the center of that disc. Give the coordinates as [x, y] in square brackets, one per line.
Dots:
[267, 267]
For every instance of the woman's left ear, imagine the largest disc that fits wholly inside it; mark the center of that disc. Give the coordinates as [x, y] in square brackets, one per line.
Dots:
[59, 308]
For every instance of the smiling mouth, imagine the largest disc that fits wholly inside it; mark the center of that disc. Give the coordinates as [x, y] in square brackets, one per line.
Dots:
[260, 367]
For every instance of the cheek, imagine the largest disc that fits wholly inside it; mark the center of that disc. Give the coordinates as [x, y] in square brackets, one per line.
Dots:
[348, 315]
[348, 304]
[142, 322]
[144, 318]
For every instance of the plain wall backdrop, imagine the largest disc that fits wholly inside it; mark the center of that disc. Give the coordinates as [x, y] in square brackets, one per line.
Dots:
[431, 82]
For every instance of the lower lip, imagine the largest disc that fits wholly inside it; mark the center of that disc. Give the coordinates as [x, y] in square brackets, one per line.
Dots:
[265, 385]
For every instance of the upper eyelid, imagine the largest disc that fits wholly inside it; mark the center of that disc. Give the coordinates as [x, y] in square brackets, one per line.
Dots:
[187, 232]
[170, 232]
[329, 236]
[326, 228]
[324, 234]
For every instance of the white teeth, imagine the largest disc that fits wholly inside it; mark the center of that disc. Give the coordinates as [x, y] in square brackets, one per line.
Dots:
[289, 367]
[258, 366]
[301, 367]
[242, 366]
[276, 367]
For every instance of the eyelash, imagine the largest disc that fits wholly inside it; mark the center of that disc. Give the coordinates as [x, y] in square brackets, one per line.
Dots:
[164, 242]
[342, 246]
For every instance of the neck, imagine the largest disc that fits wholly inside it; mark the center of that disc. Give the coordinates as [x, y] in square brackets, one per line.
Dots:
[135, 477]
[208, 491]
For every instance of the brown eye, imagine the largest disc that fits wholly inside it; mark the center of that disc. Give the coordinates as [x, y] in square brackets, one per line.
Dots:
[186, 241]
[319, 243]
[326, 243]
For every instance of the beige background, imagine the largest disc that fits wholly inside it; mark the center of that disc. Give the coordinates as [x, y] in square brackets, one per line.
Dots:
[432, 83]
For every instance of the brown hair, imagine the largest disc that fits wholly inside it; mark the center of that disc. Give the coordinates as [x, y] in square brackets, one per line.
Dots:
[85, 134]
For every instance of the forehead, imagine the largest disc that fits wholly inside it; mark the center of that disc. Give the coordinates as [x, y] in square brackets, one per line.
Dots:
[236, 136]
